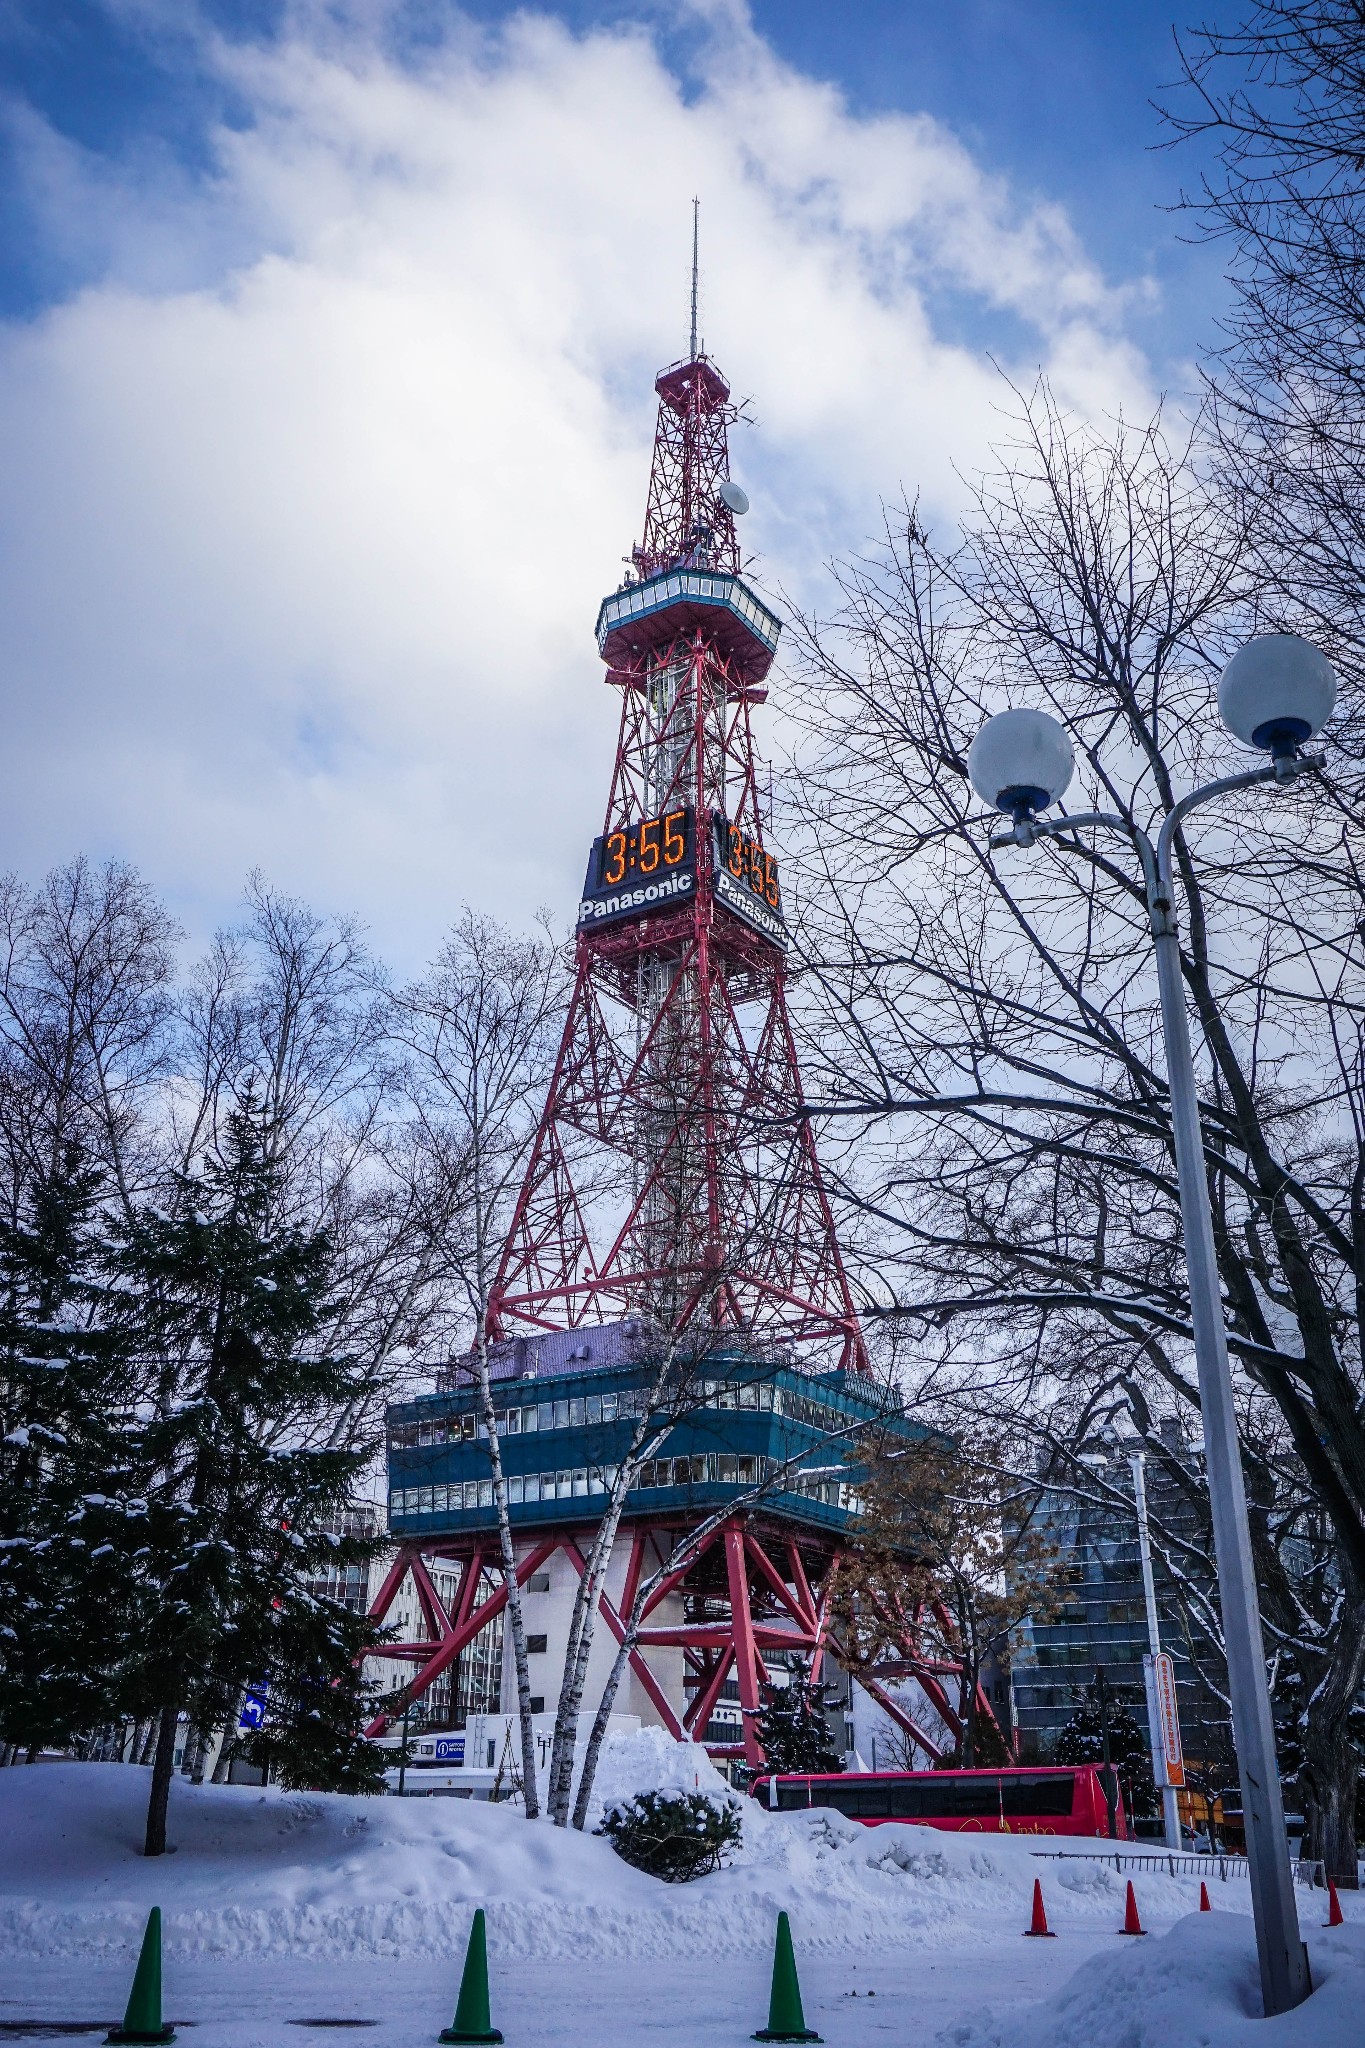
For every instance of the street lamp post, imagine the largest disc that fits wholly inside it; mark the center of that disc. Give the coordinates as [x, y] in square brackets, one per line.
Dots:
[1275, 693]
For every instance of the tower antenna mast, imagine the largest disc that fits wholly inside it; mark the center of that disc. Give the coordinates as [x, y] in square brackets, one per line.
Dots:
[696, 211]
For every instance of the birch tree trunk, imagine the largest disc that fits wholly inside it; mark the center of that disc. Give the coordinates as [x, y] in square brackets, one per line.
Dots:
[579, 1650]
[196, 1748]
[602, 1719]
[480, 1032]
[679, 1558]
[507, 1549]
[645, 1440]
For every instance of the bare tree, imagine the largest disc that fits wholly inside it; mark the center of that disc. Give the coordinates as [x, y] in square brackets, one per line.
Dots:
[287, 1011]
[688, 1547]
[684, 1313]
[85, 962]
[85, 1016]
[1280, 98]
[674, 1363]
[476, 1037]
[288, 998]
[989, 1022]
[949, 1551]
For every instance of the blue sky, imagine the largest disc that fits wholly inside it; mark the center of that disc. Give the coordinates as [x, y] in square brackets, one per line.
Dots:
[327, 332]
[1056, 93]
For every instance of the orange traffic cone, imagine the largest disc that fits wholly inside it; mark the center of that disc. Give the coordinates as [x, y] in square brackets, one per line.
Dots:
[1204, 1905]
[1040, 1925]
[1335, 1916]
[1131, 1923]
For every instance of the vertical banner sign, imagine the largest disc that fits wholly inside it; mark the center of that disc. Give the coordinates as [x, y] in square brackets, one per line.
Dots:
[1163, 1670]
[1154, 1736]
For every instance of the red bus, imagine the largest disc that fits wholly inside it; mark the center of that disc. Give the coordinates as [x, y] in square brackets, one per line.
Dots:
[1049, 1800]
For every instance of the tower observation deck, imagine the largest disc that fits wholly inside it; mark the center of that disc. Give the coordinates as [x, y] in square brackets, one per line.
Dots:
[673, 1194]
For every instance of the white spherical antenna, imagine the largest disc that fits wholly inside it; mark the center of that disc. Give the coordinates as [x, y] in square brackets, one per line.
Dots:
[733, 498]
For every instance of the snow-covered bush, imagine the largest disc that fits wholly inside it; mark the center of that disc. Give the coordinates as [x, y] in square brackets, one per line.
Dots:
[673, 1835]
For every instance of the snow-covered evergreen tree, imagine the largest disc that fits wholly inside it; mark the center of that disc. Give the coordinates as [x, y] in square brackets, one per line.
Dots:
[71, 1519]
[248, 1461]
[794, 1731]
[1081, 1741]
[316, 1700]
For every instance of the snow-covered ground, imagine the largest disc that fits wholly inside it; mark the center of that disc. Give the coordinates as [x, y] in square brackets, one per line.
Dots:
[283, 1908]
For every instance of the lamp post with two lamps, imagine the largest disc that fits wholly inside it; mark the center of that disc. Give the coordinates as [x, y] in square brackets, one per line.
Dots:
[1276, 693]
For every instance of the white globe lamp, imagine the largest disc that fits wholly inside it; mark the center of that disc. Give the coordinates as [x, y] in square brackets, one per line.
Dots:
[1021, 761]
[1277, 692]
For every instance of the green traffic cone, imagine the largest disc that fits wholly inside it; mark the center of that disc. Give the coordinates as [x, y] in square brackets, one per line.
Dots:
[786, 2020]
[472, 2021]
[142, 2020]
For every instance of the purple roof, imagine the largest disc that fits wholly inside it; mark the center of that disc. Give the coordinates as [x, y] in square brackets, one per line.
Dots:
[549, 1352]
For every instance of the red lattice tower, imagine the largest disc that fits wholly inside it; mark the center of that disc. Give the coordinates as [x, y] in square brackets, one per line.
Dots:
[673, 1171]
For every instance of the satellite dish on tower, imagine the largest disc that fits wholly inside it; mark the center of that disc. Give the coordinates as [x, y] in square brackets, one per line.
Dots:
[732, 498]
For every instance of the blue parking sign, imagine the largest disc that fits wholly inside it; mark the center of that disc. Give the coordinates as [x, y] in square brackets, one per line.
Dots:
[252, 1715]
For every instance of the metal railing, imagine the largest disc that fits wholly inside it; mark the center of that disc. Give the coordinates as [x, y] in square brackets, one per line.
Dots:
[1191, 1864]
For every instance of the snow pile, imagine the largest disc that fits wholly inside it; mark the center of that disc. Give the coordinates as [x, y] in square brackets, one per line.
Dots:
[307, 1874]
[651, 1761]
[1196, 1987]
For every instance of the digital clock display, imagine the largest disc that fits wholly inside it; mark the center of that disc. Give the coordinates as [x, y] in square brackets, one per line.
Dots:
[653, 847]
[746, 880]
[745, 859]
[646, 865]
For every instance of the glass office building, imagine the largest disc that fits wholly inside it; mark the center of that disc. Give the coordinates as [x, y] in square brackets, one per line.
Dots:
[1100, 1620]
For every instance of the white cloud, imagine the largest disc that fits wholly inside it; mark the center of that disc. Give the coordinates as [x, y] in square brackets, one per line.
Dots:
[307, 506]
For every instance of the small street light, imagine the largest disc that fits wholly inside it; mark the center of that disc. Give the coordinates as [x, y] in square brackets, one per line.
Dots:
[403, 1752]
[1276, 693]
[1158, 1735]
[1108, 1774]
